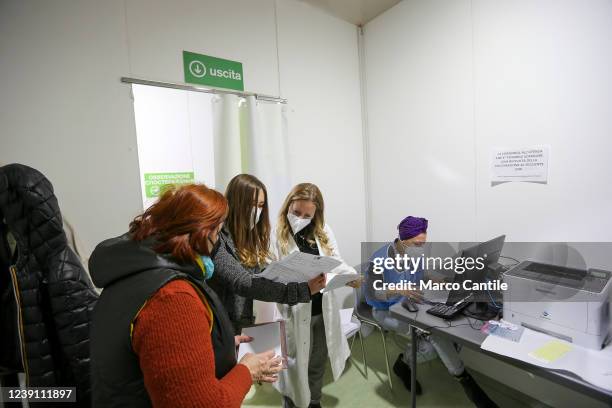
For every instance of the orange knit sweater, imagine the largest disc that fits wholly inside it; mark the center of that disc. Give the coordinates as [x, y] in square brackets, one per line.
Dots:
[172, 340]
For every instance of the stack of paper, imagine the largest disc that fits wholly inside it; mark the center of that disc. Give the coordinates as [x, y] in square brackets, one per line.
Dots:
[299, 267]
[266, 336]
[593, 366]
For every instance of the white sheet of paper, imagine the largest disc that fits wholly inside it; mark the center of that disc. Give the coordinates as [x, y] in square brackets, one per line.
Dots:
[266, 336]
[299, 267]
[346, 315]
[593, 366]
[336, 281]
[266, 312]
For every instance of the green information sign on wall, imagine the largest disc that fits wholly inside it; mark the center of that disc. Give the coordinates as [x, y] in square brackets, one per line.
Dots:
[217, 72]
[154, 182]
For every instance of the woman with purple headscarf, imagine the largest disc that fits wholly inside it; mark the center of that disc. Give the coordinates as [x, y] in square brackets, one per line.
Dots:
[413, 227]
[412, 235]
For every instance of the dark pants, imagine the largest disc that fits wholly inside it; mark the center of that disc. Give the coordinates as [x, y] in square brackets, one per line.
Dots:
[317, 361]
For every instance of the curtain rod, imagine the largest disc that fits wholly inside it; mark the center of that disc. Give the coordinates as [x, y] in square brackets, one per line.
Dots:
[195, 88]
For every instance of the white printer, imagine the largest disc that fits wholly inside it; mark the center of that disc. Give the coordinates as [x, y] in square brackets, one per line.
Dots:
[570, 304]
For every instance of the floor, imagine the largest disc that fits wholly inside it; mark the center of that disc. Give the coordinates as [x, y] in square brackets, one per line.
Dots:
[353, 390]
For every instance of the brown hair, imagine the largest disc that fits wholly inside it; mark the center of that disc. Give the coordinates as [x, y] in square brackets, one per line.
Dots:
[252, 244]
[308, 192]
[182, 220]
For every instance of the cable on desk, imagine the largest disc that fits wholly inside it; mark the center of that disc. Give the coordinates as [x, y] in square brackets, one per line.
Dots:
[450, 324]
[498, 307]
[472, 326]
[511, 258]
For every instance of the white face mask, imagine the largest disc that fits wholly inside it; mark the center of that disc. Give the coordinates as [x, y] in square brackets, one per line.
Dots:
[297, 224]
[255, 214]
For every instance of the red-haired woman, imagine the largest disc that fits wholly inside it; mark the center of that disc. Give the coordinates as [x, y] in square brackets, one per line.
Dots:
[160, 336]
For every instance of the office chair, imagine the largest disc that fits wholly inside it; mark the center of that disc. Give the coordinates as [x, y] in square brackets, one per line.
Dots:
[363, 313]
[351, 329]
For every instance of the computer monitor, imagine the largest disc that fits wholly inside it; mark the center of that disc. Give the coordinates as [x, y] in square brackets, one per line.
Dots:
[489, 251]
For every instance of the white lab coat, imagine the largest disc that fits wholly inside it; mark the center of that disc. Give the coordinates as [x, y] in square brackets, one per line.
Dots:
[293, 382]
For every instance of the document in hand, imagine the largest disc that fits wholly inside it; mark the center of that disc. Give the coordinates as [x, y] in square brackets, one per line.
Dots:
[299, 267]
[266, 336]
[335, 281]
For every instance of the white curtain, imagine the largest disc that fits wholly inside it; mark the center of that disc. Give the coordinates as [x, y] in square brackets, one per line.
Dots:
[174, 131]
[175, 134]
[250, 136]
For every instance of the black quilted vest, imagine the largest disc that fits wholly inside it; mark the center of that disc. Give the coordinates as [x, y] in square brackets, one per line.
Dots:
[131, 273]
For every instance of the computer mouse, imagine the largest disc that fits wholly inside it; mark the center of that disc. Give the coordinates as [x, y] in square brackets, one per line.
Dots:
[409, 305]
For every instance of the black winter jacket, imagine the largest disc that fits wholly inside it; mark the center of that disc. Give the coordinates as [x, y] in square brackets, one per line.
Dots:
[46, 297]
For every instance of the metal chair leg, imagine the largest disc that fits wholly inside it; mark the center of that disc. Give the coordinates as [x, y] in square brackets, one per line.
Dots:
[413, 365]
[384, 342]
[365, 363]
[363, 355]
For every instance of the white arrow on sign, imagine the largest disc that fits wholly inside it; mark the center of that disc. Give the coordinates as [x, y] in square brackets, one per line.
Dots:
[197, 69]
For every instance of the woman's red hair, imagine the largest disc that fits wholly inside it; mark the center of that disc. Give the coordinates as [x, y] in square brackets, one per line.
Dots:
[181, 221]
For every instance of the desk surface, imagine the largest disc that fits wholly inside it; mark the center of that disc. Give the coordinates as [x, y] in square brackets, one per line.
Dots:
[465, 332]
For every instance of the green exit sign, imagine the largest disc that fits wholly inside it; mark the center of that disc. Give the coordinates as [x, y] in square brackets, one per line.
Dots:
[206, 70]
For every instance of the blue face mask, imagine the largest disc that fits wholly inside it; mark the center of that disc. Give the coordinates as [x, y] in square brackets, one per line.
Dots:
[209, 266]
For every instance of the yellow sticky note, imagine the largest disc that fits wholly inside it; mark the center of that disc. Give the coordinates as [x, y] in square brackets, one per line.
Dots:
[551, 351]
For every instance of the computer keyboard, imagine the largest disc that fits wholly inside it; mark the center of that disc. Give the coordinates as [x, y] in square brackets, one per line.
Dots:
[449, 312]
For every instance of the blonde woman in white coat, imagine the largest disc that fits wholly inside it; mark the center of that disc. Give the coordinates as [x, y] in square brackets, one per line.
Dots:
[313, 329]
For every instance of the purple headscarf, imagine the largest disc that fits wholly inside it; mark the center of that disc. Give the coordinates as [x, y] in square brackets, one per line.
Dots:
[410, 227]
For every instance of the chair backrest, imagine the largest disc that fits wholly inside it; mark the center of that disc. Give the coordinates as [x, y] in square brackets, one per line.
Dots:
[362, 309]
[359, 292]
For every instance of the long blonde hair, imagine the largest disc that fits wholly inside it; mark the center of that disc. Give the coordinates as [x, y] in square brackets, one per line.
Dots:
[306, 192]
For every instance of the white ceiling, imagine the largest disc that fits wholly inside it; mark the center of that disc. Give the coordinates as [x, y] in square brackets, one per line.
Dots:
[357, 12]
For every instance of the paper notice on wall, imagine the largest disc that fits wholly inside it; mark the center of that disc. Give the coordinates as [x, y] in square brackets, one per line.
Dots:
[156, 182]
[521, 164]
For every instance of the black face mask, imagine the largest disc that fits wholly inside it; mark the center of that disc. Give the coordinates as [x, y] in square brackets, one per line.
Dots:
[215, 246]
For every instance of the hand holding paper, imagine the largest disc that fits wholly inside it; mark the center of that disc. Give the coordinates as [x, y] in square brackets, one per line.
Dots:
[266, 336]
[317, 284]
[242, 339]
[299, 267]
[335, 281]
[356, 284]
[263, 367]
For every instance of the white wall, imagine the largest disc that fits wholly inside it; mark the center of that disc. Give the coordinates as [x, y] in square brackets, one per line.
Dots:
[448, 80]
[542, 76]
[320, 77]
[64, 111]
[421, 131]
